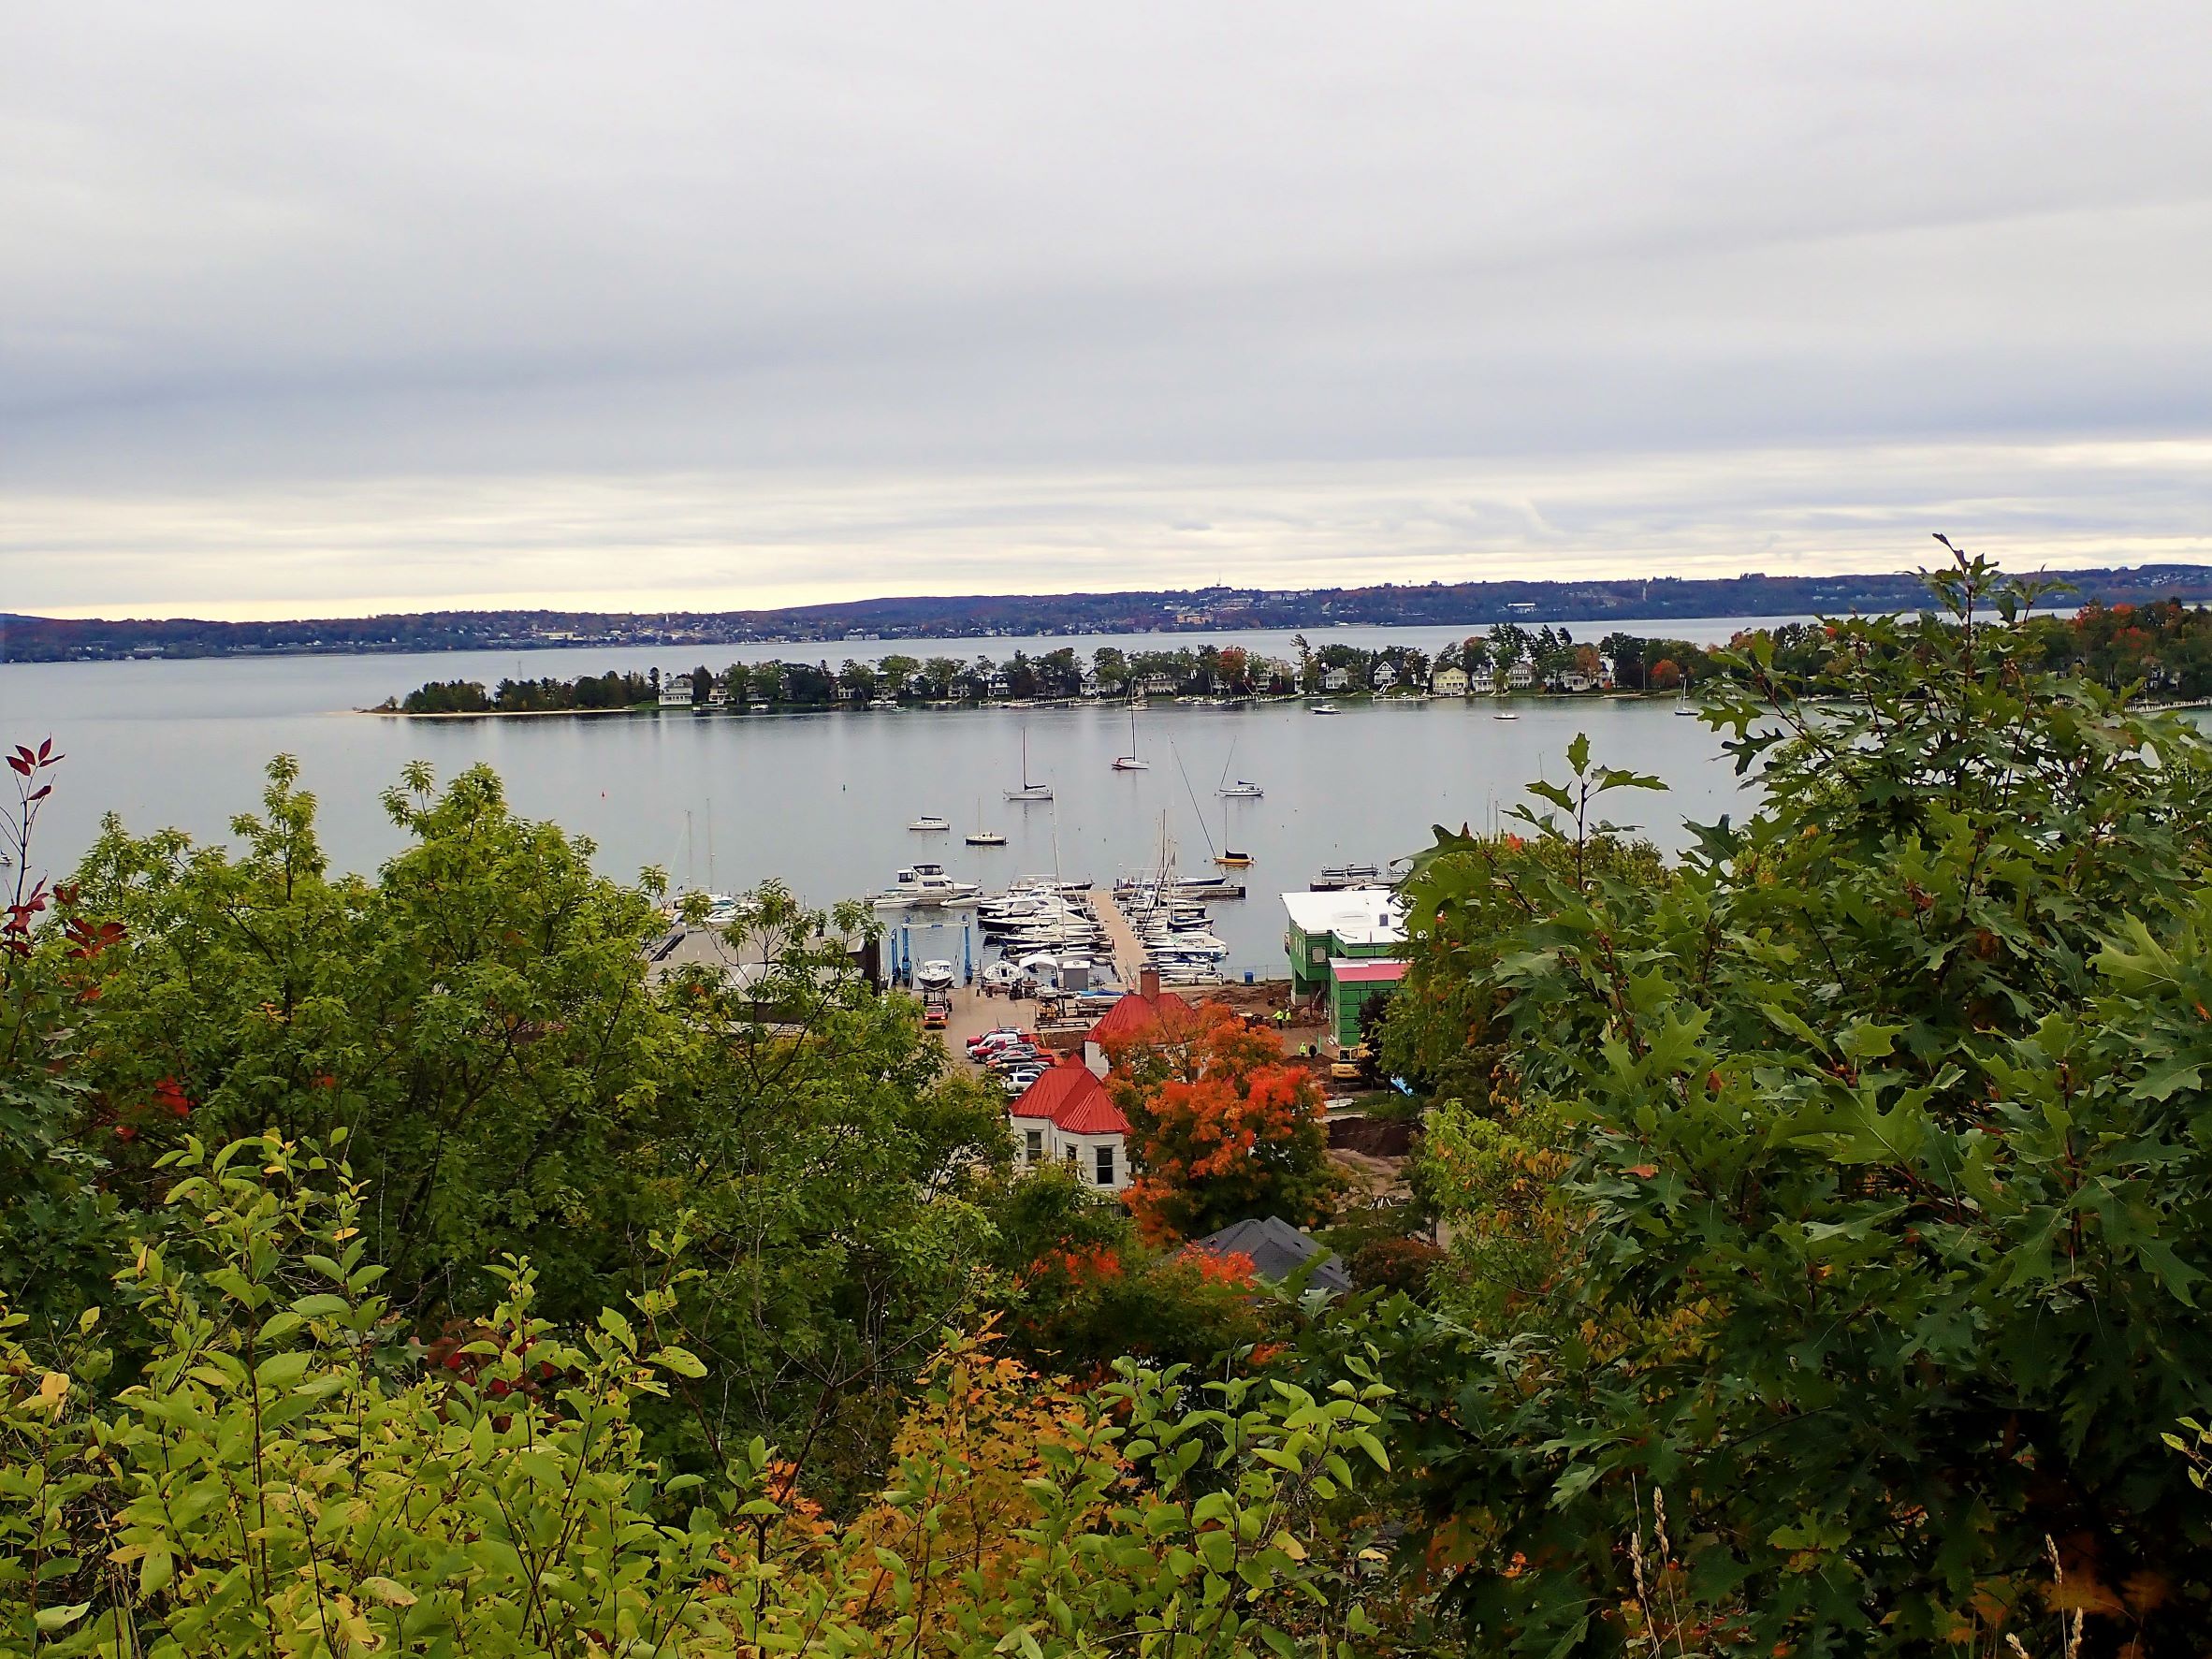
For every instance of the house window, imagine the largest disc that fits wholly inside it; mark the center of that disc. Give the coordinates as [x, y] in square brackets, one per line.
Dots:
[1105, 1166]
[1072, 1158]
[1036, 1144]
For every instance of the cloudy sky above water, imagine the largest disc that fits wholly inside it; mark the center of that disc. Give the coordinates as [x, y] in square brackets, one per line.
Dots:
[316, 310]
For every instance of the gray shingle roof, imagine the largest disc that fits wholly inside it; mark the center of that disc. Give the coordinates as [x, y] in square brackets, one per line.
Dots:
[1277, 1250]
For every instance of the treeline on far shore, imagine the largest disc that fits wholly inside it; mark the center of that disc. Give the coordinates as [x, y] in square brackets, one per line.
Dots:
[2165, 648]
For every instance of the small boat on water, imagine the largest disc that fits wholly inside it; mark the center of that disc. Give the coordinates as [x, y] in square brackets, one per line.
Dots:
[1682, 701]
[1230, 858]
[1241, 789]
[924, 885]
[1130, 763]
[1504, 714]
[1337, 876]
[979, 837]
[1028, 791]
[1326, 708]
[930, 822]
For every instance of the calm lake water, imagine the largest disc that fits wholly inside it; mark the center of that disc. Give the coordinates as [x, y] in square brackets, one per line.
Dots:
[822, 801]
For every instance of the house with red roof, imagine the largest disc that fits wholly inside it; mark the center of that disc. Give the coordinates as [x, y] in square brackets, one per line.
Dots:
[1066, 1116]
[1143, 1014]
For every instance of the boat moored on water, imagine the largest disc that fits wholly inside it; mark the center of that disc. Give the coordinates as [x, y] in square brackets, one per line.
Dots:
[930, 822]
[1028, 791]
[1326, 708]
[1241, 789]
[923, 885]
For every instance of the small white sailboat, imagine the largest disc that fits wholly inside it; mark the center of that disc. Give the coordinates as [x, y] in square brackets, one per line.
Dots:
[930, 822]
[1028, 791]
[1241, 789]
[979, 836]
[1130, 763]
[1682, 699]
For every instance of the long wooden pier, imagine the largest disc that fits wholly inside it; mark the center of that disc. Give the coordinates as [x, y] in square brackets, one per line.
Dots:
[1129, 950]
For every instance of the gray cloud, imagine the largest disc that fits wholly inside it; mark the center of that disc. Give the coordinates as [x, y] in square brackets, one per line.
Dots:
[385, 306]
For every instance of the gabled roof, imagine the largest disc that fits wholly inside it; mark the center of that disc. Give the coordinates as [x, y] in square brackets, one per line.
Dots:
[1136, 1015]
[1071, 1095]
[1276, 1250]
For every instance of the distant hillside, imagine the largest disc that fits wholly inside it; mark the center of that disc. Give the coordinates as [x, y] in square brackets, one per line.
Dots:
[46, 639]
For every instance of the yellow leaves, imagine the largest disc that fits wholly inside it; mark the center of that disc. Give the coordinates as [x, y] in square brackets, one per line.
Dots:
[53, 1388]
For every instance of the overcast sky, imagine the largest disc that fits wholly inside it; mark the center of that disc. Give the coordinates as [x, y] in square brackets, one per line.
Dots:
[312, 310]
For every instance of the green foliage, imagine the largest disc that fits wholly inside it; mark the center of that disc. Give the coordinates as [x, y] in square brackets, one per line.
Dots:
[283, 1479]
[770, 1151]
[1852, 1182]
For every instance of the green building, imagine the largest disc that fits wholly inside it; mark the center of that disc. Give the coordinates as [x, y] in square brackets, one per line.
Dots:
[1343, 949]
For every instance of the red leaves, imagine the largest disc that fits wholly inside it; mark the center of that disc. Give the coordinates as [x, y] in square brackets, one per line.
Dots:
[168, 1094]
[87, 939]
[27, 760]
[1645, 1170]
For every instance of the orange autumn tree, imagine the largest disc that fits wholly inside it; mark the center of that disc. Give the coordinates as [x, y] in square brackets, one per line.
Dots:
[1220, 1128]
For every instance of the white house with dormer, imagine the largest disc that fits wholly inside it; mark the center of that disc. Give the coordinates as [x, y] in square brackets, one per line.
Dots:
[1448, 682]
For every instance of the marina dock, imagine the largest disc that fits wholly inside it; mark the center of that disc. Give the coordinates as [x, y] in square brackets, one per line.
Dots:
[1129, 950]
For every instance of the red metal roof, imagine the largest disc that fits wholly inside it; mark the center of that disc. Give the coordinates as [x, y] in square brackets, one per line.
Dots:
[1136, 1015]
[1376, 972]
[1075, 1101]
[1090, 1112]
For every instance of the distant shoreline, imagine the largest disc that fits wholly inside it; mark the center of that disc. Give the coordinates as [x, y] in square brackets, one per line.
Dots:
[1361, 699]
[1464, 606]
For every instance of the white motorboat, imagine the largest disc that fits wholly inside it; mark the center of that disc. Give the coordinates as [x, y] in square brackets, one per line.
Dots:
[934, 975]
[1504, 714]
[930, 822]
[1326, 708]
[926, 885]
[985, 837]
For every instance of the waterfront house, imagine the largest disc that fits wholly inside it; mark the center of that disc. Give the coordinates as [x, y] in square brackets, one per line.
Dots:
[717, 694]
[1573, 680]
[1158, 685]
[1344, 951]
[1448, 682]
[1521, 675]
[996, 686]
[676, 691]
[1066, 1116]
[1336, 679]
[1384, 677]
[1092, 686]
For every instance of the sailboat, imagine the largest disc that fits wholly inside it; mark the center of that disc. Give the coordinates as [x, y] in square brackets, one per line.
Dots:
[1228, 858]
[979, 836]
[1028, 791]
[1244, 788]
[1681, 698]
[1130, 763]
